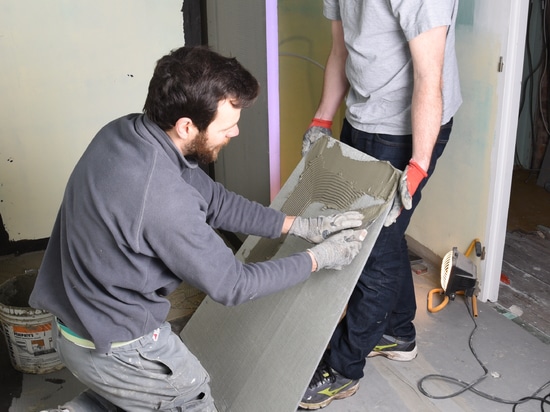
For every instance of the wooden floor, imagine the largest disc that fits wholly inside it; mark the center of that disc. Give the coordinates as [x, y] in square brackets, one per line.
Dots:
[524, 294]
[529, 203]
[525, 281]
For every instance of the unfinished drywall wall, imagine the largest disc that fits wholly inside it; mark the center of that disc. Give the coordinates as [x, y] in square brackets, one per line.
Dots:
[304, 45]
[68, 67]
[240, 29]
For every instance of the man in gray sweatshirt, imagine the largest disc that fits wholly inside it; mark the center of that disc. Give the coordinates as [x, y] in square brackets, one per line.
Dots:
[139, 216]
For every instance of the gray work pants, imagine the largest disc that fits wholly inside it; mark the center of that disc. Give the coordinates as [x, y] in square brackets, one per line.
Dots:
[155, 373]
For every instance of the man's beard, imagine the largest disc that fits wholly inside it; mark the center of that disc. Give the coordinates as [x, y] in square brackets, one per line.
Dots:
[201, 151]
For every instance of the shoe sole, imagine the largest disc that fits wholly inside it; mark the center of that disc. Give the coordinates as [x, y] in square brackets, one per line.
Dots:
[341, 395]
[399, 356]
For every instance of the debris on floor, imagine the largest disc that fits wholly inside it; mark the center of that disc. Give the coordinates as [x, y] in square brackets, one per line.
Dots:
[417, 264]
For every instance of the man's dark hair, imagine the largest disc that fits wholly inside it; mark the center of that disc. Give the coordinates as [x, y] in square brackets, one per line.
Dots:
[191, 81]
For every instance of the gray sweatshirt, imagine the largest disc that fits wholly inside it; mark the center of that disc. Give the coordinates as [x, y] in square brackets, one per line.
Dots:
[136, 219]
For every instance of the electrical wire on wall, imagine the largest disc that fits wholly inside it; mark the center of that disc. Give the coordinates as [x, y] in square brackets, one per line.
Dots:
[309, 44]
[308, 59]
[470, 386]
[545, 66]
[528, 91]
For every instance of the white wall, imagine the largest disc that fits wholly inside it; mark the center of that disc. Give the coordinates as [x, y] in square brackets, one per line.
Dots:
[68, 67]
[453, 210]
[469, 194]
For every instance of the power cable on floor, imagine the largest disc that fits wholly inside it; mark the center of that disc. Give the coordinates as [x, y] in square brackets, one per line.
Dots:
[465, 386]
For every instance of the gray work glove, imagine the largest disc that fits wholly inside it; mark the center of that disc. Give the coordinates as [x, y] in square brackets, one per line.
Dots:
[317, 229]
[338, 250]
[317, 129]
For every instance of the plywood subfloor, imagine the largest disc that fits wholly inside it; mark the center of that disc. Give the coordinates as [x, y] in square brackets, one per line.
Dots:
[524, 292]
[525, 282]
[529, 203]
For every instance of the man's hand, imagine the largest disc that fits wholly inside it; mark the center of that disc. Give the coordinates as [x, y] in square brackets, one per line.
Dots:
[338, 250]
[317, 229]
[315, 131]
[410, 179]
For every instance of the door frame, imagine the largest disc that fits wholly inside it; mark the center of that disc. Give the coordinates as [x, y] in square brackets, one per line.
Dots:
[503, 150]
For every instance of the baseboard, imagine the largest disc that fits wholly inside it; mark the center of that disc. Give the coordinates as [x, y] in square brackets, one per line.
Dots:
[419, 249]
[22, 246]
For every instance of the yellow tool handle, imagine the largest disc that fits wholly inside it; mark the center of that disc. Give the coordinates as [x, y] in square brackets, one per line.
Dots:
[446, 300]
[430, 300]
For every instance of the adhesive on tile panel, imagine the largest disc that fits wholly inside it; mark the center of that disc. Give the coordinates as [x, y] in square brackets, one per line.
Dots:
[335, 178]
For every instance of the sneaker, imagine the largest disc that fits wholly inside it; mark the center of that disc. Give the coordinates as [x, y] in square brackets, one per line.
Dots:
[325, 386]
[55, 410]
[395, 349]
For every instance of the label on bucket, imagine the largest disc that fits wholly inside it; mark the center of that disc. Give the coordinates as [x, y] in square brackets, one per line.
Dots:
[31, 347]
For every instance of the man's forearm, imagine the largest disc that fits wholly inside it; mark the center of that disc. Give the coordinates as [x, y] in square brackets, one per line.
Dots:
[426, 120]
[428, 53]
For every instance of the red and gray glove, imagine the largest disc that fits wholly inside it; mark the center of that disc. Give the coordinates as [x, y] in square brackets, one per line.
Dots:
[410, 179]
[317, 129]
[338, 250]
[317, 229]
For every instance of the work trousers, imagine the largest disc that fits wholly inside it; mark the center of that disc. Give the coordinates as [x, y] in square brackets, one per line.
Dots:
[155, 373]
[383, 301]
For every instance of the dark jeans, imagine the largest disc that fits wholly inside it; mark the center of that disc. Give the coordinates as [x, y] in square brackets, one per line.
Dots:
[383, 301]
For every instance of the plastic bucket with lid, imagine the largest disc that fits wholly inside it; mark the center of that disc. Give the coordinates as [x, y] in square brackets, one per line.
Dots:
[28, 331]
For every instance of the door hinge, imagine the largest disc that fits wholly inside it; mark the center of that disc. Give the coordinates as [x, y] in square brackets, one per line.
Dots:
[500, 64]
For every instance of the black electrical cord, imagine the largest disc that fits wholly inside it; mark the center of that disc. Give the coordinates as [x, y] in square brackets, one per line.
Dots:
[529, 82]
[465, 386]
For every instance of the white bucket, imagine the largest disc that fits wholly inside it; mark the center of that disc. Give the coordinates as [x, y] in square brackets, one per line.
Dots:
[28, 331]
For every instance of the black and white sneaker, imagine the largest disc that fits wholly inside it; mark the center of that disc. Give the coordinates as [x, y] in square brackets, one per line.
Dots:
[395, 349]
[325, 386]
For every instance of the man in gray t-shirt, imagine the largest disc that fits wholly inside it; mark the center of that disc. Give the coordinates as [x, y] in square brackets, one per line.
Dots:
[394, 63]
